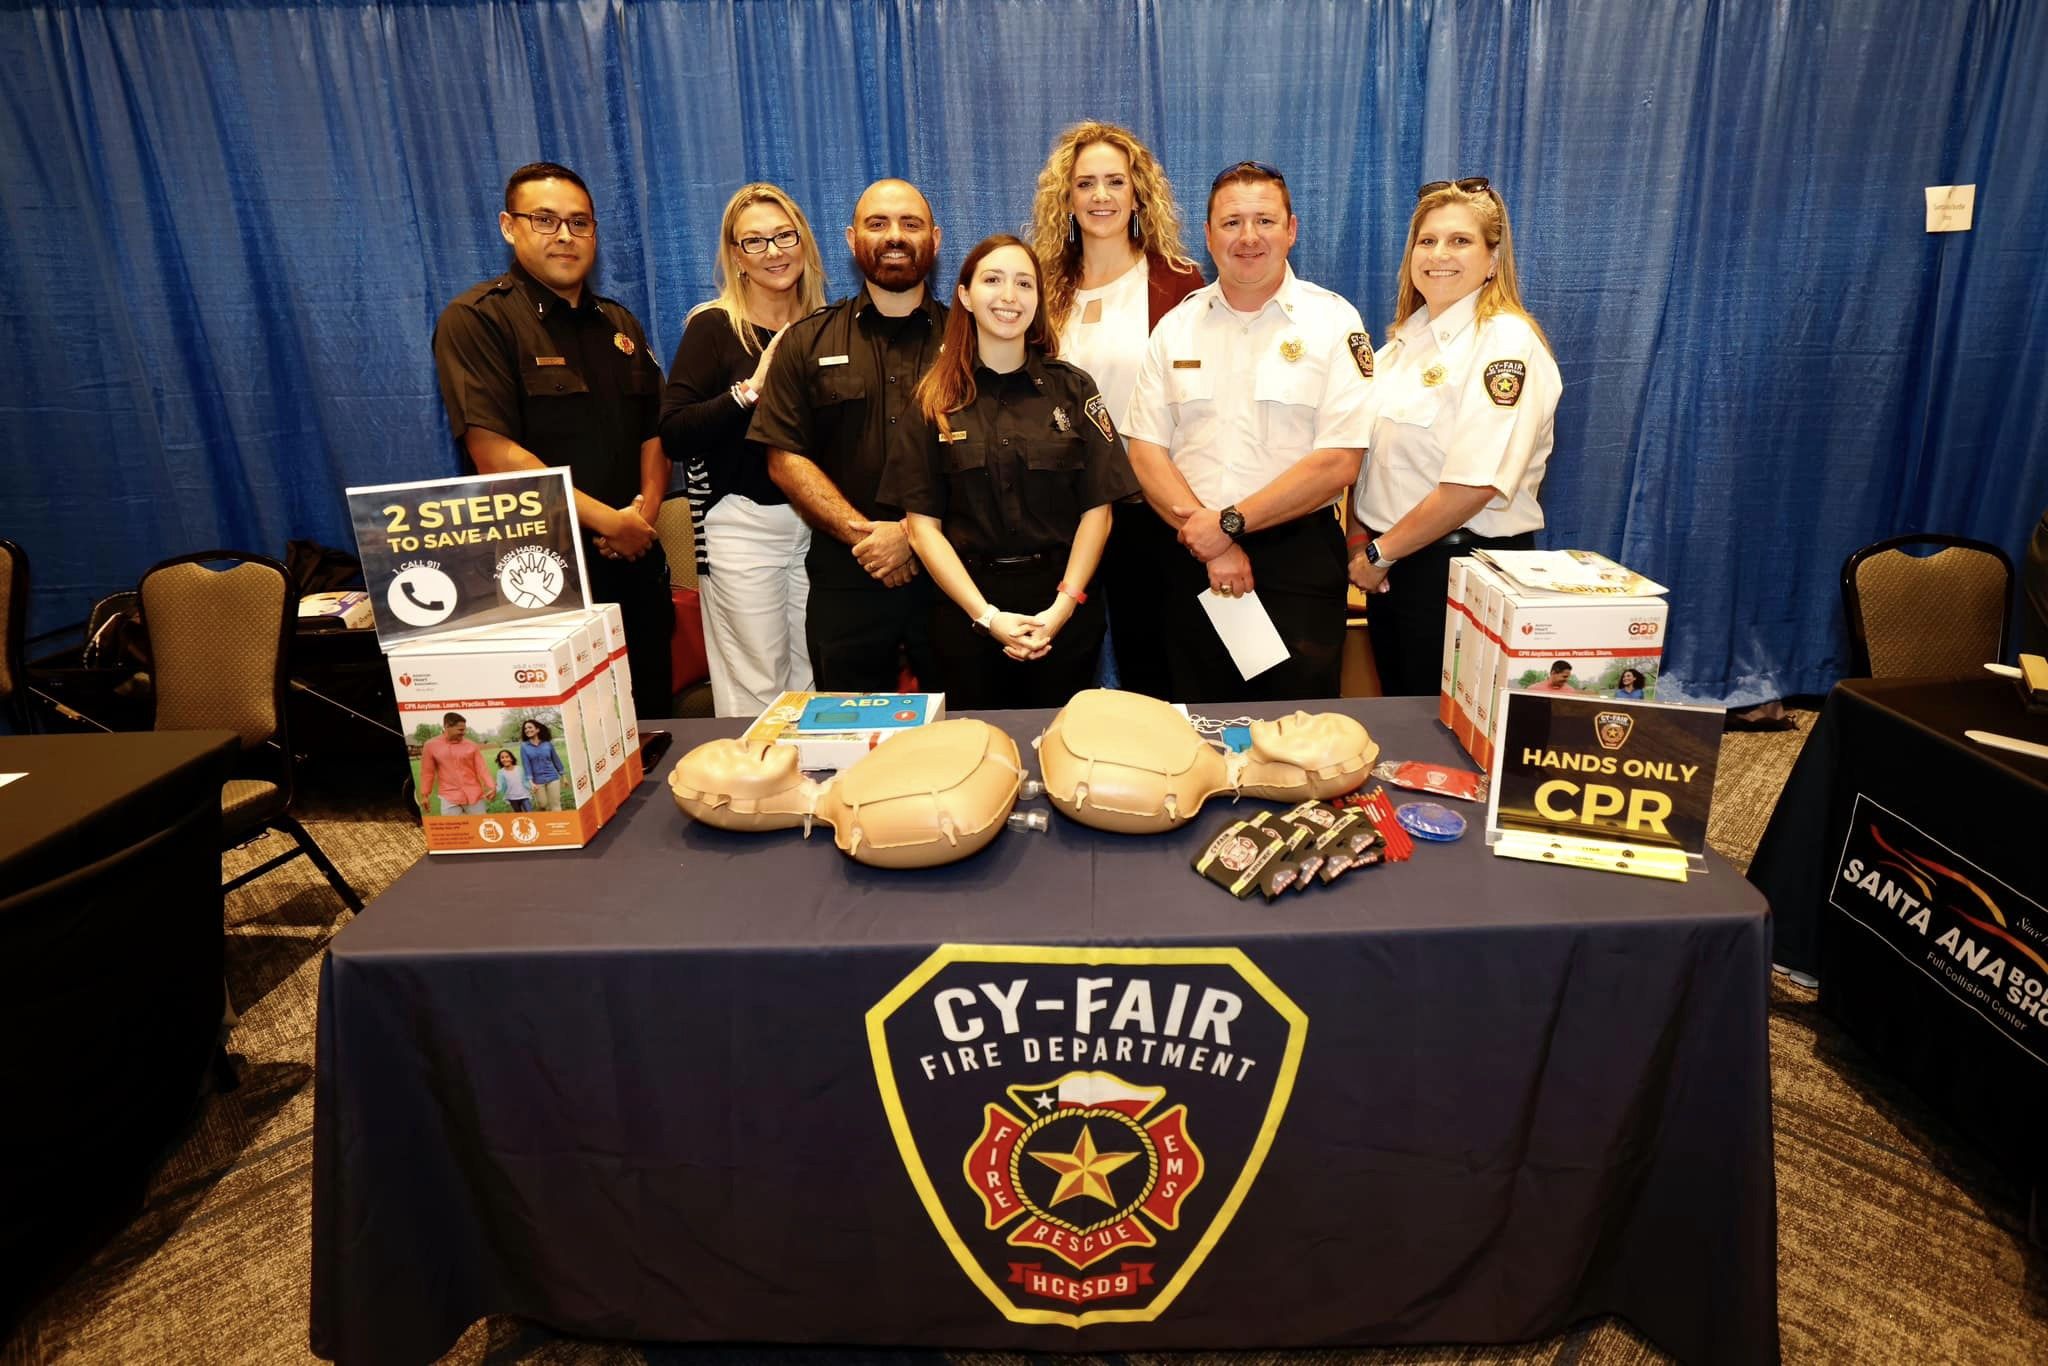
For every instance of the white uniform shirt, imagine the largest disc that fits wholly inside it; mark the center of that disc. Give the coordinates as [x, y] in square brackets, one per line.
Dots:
[1487, 419]
[1237, 402]
[1112, 347]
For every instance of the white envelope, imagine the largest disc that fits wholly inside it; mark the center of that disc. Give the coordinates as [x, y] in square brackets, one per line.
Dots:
[1246, 631]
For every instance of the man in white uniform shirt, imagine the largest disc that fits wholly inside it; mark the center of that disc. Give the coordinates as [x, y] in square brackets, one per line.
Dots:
[1251, 412]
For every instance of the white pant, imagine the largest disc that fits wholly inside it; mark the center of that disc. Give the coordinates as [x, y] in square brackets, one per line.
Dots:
[753, 601]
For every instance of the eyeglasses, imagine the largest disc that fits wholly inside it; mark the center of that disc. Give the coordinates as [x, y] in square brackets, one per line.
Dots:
[1471, 184]
[1258, 167]
[547, 223]
[786, 239]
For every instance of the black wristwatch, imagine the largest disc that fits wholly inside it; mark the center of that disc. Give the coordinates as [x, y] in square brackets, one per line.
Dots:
[1232, 522]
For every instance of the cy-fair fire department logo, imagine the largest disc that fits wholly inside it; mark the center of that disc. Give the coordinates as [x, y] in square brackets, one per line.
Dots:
[1611, 728]
[1083, 1125]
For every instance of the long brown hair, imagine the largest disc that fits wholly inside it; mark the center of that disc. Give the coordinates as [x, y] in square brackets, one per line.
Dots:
[1501, 294]
[949, 385]
[1059, 249]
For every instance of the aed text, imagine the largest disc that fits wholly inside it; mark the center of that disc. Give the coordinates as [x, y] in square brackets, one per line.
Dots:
[444, 523]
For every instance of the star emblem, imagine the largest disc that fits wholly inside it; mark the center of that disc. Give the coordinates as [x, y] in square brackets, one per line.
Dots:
[1044, 1100]
[1083, 1171]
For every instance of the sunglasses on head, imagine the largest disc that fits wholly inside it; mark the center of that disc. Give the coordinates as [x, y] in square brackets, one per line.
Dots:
[1271, 172]
[1471, 184]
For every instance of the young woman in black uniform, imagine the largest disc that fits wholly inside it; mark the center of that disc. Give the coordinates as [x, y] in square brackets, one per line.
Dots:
[1006, 493]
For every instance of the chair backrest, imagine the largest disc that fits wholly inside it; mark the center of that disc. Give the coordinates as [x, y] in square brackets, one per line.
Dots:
[1925, 616]
[218, 638]
[13, 627]
[678, 540]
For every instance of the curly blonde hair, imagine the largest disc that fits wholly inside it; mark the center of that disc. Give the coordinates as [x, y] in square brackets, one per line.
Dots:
[1502, 293]
[1059, 254]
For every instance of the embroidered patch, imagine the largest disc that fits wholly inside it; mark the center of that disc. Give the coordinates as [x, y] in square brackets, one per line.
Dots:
[1361, 353]
[623, 342]
[1098, 413]
[1504, 381]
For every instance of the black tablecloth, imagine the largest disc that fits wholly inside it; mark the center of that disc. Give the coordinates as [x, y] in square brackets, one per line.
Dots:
[110, 978]
[629, 1091]
[1888, 788]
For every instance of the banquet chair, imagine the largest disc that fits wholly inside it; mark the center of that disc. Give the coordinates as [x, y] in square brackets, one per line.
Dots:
[1925, 616]
[13, 635]
[218, 639]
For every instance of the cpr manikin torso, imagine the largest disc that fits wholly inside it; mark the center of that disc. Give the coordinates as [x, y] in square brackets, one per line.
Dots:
[924, 797]
[1130, 763]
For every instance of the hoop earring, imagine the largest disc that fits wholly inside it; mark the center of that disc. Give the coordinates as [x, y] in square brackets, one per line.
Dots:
[1073, 231]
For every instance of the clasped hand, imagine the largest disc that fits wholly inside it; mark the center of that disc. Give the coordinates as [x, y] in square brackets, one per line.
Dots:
[1030, 637]
[1366, 576]
[630, 538]
[883, 550]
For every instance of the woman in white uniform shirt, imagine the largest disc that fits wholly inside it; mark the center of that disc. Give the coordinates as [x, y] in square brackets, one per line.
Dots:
[1107, 235]
[1467, 398]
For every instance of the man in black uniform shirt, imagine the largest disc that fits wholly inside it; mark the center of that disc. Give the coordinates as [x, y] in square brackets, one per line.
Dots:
[839, 398]
[536, 370]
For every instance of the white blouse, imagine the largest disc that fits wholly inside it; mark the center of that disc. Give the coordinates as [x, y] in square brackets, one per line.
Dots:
[1461, 402]
[1112, 347]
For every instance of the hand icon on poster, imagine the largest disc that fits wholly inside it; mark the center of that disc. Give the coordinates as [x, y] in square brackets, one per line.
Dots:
[530, 577]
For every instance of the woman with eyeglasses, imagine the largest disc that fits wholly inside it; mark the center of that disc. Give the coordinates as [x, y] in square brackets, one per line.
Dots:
[1006, 494]
[750, 543]
[1107, 235]
[1467, 398]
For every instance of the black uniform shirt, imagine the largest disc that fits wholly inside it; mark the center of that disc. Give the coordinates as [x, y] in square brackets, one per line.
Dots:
[840, 394]
[1031, 453]
[576, 386]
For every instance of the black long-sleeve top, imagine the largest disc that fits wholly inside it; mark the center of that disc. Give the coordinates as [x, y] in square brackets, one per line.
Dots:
[701, 421]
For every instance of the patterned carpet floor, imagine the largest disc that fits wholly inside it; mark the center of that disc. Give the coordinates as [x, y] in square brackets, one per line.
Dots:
[1896, 1244]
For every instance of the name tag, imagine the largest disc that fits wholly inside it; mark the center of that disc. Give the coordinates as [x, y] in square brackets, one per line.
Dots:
[948, 438]
[550, 360]
[824, 361]
[1187, 365]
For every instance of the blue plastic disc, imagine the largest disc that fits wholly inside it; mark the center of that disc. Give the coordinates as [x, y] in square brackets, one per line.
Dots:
[1431, 821]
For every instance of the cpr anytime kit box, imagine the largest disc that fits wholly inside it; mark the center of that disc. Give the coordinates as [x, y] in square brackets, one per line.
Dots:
[482, 715]
[832, 730]
[1597, 632]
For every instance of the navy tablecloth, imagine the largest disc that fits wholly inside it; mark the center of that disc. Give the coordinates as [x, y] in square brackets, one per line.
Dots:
[633, 1091]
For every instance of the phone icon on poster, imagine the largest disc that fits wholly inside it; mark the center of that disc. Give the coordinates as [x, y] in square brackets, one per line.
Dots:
[421, 595]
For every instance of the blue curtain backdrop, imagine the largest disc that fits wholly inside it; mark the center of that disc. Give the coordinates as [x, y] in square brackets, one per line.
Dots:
[231, 227]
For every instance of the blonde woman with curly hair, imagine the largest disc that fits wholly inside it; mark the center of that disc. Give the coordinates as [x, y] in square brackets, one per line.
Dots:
[1107, 235]
[1467, 397]
[750, 543]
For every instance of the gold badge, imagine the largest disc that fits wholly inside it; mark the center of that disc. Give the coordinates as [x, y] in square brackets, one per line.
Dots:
[1060, 420]
[1290, 350]
[1187, 365]
[623, 342]
[1433, 376]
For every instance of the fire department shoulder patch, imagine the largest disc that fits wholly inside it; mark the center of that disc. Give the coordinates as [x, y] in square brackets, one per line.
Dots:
[1082, 1124]
[1098, 413]
[1361, 352]
[1504, 381]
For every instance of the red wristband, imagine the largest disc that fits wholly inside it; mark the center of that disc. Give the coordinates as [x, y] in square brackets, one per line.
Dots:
[1078, 597]
[1357, 539]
